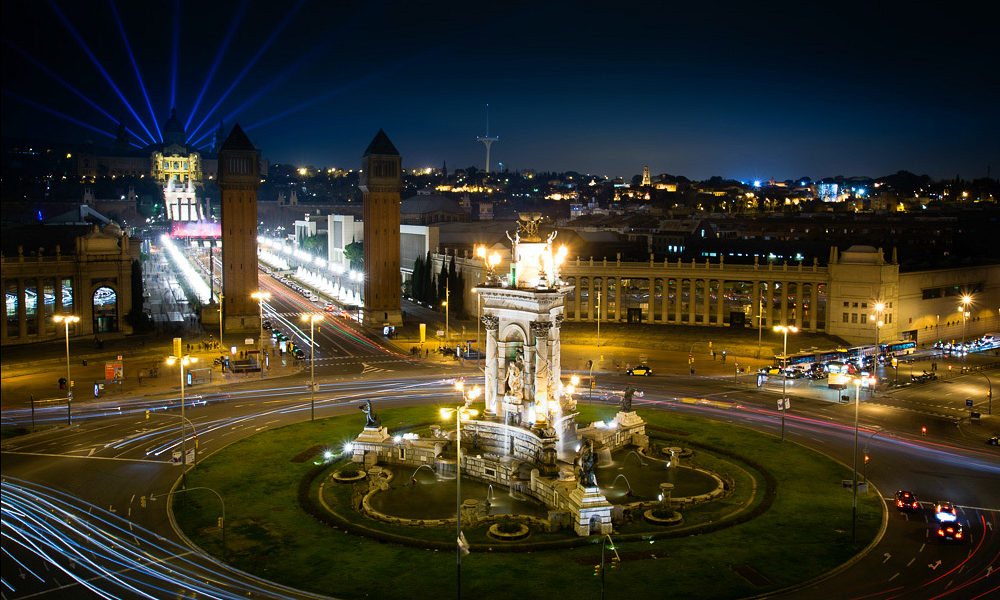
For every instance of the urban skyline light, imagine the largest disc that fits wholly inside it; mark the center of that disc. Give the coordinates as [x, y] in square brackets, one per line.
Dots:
[716, 89]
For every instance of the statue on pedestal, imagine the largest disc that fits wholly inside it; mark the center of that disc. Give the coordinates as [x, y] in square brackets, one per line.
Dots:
[627, 399]
[588, 461]
[373, 421]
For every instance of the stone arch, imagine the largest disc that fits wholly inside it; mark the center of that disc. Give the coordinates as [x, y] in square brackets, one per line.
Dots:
[104, 308]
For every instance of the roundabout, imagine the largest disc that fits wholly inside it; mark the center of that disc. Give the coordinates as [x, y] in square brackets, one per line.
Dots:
[785, 520]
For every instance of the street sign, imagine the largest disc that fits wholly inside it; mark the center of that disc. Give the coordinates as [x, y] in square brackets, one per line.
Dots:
[968, 402]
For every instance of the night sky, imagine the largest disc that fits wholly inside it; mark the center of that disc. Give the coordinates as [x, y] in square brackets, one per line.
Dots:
[742, 90]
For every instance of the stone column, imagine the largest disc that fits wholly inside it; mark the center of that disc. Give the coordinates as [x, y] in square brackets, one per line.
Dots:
[491, 382]
[664, 296]
[555, 354]
[576, 299]
[651, 303]
[706, 302]
[591, 298]
[814, 306]
[620, 295]
[720, 304]
[692, 300]
[540, 331]
[678, 296]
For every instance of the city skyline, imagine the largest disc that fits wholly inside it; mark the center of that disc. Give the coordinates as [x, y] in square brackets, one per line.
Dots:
[693, 91]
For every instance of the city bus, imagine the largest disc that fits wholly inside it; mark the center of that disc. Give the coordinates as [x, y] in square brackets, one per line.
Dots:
[899, 348]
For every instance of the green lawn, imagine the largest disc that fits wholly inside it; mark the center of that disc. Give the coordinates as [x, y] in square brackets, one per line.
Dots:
[805, 532]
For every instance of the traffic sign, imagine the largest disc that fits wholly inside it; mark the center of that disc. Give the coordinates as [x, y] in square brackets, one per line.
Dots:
[968, 402]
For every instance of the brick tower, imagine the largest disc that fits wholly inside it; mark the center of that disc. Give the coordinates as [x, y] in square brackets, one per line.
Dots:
[238, 180]
[381, 182]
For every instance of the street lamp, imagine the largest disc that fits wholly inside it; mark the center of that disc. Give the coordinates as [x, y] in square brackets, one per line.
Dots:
[854, 506]
[67, 319]
[598, 319]
[784, 374]
[312, 362]
[966, 300]
[462, 411]
[876, 318]
[447, 327]
[260, 297]
[182, 360]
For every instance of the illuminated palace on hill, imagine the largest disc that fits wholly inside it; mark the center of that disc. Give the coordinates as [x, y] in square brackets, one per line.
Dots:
[179, 167]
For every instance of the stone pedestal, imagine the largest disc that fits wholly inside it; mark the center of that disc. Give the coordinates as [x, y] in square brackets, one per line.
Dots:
[368, 443]
[591, 511]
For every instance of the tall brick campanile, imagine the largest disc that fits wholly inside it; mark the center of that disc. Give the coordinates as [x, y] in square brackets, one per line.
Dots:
[381, 182]
[238, 180]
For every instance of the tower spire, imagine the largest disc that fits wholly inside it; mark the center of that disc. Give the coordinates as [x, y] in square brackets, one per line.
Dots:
[486, 139]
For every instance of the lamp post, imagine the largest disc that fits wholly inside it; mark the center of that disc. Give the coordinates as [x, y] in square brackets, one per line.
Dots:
[868, 441]
[854, 505]
[260, 297]
[182, 360]
[67, 319]
[447, 325]
[966, 300]
[598, 319]
[784, 329]
[222, 345]
[312, 362]
[460, 412]
[877, 319]
[760, 325]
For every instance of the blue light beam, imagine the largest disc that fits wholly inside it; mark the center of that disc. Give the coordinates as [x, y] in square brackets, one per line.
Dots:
[55, 112]
[173, 54]
[135, 66]
[97, 63]
[47, 71]
[218, 60]
[253, 60]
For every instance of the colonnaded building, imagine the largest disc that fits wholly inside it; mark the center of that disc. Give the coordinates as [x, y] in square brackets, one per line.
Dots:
[82, 270]
[838, 298]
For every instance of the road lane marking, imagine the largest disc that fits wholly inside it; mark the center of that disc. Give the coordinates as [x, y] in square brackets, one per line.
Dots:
[894, 576]
[138, 460]
[911, 561]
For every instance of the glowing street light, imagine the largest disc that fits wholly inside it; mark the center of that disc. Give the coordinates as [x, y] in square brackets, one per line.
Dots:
[966, 301]
[857, 403]
[876, 318]
[67, 319]
[312, 362]
[461, 412]
[784, 374]
[260, 297]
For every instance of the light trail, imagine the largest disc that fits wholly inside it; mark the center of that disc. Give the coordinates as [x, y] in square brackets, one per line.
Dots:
[110, 556]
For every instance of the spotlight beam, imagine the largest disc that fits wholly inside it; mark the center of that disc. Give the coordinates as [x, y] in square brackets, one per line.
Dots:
[55, 112]
[218, 60]
[97, 63]
[253, 60]
[135, 66]
[49, 72]
[342, 89]
[174, 52]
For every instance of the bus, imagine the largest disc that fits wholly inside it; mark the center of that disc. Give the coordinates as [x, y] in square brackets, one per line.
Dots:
[899, 348]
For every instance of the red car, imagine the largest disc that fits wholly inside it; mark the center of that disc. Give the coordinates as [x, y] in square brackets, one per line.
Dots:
[906, 501]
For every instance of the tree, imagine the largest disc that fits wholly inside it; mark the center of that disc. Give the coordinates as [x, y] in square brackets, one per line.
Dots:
[355, 255]
[315, 244]
[417, 280]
